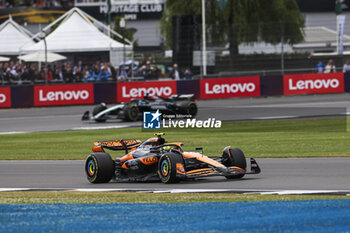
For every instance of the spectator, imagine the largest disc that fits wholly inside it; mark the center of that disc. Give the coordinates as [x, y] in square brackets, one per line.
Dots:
[87, 75]
[116, 71]
[78, 76]
[68, 75]
[36, 75]
[145, 72]
[142, 72]
[26, 75]
[103, 75]
[122, 75]
[1, 73]
[48, 72]
[175, 73]
[154, 72]
[330, 67]
[320, 67]
[346, 67]
[57, 74]
[111, 70]
[8, 76]
[78, 68]
[14, 72]
[32, 69]
[94, 73]
[188, 74]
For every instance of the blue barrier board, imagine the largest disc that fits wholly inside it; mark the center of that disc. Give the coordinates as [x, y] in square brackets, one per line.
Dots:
[283, 216]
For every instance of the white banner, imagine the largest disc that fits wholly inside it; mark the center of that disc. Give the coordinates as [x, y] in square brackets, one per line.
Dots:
[340, 30]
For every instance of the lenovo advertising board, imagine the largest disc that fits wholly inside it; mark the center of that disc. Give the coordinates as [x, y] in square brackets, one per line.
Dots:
[299, 84]
[5, 97]
[63, 94]
[137, 90]
[217, 88]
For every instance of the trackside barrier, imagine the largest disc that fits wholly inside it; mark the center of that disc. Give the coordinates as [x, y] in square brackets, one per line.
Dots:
[22, 97]
[73, 94]
[105, 93]
[271, 85]
[217, 88]
[5, 97]
[300, 84]
[188, 87]
[130, 90]
[213, 88]
[347, 82]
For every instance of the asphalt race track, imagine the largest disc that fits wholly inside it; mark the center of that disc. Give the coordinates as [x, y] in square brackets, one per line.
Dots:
[68, 118]
[277, 174]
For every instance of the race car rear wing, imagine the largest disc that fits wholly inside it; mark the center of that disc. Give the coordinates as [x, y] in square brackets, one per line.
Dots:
[183, 97]
[122, 144]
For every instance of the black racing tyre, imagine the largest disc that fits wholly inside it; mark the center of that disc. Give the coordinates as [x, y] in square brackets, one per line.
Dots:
[99, 167]
[131, 112]
[189, 108]
[99, 108]
[192, 109]
[167, 167]
[236, 158]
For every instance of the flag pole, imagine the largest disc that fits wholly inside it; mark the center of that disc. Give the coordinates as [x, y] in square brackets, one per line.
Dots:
[204, 48]
[340, 26]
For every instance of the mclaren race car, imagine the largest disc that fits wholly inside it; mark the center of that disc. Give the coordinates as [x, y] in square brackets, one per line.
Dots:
[132, 111]
[155, 159]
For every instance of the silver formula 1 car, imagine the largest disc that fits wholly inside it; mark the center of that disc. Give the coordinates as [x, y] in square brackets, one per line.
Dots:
[132, 111]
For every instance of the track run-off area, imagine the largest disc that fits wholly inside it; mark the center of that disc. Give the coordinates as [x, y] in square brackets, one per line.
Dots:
[283, 176]
[284, 107]
[319, 176]
[279, 176]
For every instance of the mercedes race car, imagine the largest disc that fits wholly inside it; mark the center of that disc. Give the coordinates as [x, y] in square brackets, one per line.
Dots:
[132, 111]
[155, 159]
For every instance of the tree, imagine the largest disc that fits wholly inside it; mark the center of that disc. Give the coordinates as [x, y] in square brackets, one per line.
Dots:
[241, 21]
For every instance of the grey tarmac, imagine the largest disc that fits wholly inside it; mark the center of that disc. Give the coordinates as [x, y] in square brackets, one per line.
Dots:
[69, 117]
[277, 174]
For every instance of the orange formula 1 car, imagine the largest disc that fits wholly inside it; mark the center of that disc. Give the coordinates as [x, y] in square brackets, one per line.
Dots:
[155, 159]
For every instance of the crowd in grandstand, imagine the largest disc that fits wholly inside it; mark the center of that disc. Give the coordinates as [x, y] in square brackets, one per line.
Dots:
[14, 72]
[36, 3]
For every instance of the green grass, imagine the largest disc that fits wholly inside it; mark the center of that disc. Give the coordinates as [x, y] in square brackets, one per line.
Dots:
[285, 138]
[34, 197]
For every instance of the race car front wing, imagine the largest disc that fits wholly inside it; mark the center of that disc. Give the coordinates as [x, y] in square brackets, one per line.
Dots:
[220, 171]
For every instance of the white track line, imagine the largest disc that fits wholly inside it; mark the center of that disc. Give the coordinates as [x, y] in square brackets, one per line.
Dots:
[76, 128]
[293, 192]
[98, 190]
[193, 191]
[39, 117]
[13, 189]
[262, 192]
[102, 127]
[273, 117]
[13, 132]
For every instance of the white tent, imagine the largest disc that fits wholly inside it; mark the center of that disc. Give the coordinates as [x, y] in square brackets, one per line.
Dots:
[40, 56]
[76, 32]
[12, 37]
[4, 58]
